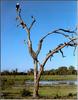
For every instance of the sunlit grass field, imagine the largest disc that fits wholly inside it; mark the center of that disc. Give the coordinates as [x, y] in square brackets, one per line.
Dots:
[44, 91]
[13, 85]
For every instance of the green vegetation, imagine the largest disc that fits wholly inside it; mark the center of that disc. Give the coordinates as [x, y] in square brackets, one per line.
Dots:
[60, 90]
[63, 70]
[23, 78]
[58, 77]
[25, 92]
[14, 87]
[64, 91]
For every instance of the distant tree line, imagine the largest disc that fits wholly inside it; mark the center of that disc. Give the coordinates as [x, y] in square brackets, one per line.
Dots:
[63, 70]
[13, 72]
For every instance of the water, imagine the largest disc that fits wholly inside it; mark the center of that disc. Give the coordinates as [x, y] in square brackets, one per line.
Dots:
[69, 82]
[58, 82]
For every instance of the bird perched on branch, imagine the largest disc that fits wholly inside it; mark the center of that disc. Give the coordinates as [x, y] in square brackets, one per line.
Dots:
[17, 7]
[51, 55]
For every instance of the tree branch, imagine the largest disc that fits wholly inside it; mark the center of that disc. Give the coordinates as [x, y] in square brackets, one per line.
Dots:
[61, 53]
[39, 47]
[59, 47]
[58, 31]
[24, 25]
[32, 22]
[32, 52]
[68, 31]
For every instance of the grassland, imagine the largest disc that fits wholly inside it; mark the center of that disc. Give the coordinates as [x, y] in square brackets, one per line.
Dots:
[43, 77]
[13, 85]
[64, 91]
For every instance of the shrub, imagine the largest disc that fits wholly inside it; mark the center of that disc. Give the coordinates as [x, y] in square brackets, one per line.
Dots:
[70, 94]
[6, 83]
[57, 96]
[25, 92]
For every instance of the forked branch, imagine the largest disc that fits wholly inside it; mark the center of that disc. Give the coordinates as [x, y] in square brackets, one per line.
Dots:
[58, 31]
[52, 52]
[24, 25]
[70, 43]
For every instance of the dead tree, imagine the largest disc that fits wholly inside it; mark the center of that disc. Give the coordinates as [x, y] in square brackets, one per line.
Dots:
[70, 35]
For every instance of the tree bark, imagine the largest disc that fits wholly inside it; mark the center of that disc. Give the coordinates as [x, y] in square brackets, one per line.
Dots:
[36, 83]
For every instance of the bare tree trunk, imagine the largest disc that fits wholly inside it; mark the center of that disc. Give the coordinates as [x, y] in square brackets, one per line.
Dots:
[36, 83]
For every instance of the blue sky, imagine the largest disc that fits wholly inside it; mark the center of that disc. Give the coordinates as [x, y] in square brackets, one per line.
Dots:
[49, 15]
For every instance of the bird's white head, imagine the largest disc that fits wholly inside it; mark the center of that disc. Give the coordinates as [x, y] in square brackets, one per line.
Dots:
[17, 3]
